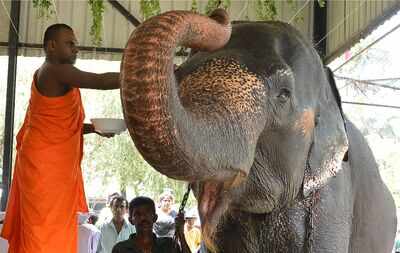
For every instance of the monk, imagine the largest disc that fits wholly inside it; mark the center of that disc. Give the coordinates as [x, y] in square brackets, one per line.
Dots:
[47, 187]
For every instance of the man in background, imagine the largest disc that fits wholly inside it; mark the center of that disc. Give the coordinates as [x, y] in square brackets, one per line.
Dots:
[93, 218]
[105, 214]
[117, 229]
[397, 241]
[88, 234]
[192, 233]
[142, 214]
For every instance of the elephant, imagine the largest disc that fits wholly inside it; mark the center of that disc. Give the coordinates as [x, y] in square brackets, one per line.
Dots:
[253, 121]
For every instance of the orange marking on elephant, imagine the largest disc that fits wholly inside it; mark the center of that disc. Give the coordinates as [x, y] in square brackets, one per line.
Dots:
[306, 122]
[223, 82]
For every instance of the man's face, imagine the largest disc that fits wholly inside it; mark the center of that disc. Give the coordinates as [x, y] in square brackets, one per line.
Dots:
[190, 221]
[65, 46]
[143, 217]
[118, 209]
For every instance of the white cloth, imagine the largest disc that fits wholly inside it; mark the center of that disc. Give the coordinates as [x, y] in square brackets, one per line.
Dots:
[3, 242]
[88, 238]
[109, 236]
[82, 218]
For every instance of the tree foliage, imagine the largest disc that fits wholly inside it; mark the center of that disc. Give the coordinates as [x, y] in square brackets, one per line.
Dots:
[379, 125]
[116, 159]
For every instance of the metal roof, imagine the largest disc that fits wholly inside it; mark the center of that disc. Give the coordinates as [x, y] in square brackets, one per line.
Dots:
[347, 22]
[116, 29]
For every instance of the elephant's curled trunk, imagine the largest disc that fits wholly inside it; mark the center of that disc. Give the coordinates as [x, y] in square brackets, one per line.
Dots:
[153, 111]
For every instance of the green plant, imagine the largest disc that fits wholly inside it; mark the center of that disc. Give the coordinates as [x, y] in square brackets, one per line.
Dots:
[149, 8]
[321, 3]
[194, 6]
[97, 9]
[214, 4]
[43, 8]
[266, 9]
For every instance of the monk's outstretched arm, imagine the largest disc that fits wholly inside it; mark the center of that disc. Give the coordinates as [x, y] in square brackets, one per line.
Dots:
[68, 74]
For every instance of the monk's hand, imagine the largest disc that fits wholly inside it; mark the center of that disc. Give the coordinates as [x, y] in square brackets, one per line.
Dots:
[89, 128]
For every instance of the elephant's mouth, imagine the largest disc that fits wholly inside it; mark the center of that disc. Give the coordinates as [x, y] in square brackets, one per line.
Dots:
[213, 202]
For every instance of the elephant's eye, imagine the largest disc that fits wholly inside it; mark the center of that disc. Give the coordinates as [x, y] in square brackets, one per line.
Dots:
[284, 95]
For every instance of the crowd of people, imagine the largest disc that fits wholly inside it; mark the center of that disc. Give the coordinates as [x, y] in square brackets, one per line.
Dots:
[140, 225]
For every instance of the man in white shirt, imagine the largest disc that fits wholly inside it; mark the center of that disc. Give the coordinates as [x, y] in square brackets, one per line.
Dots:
[88, 235]
[116, 230]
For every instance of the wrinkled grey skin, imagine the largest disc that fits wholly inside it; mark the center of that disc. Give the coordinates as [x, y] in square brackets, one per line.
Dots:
[312, 184]
[354, 212]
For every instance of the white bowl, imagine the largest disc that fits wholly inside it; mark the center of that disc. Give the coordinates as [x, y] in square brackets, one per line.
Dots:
[108, 125]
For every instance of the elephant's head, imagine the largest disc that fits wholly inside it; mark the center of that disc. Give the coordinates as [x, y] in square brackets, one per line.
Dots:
[242, 119]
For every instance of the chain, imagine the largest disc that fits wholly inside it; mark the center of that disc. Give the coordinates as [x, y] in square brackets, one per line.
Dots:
[181, 211]
[184, 200]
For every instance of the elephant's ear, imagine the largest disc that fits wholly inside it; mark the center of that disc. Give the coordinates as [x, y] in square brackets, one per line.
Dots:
[330, 141]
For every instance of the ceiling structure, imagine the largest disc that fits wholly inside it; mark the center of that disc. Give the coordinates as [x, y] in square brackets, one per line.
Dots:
[342, 24]
[349, 21]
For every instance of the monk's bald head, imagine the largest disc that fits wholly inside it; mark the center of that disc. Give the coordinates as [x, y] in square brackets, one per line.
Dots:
[60, 44]
[52, 32]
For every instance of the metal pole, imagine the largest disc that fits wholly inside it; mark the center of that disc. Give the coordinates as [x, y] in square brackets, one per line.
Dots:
[82, 48]
[368, 104]
[320, 28]
[10, 100]
[134, 21]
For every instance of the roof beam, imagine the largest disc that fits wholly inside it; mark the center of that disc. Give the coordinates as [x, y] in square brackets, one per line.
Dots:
[83, 48]
[121, 9]
[80, 48]
[369, 104]
[320, 28]
[366, 82]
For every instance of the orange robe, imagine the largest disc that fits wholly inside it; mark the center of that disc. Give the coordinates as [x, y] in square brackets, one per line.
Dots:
[47, 186]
